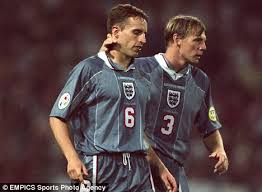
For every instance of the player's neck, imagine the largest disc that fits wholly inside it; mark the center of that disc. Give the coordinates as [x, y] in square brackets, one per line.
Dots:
[120, 59]
[174, 59]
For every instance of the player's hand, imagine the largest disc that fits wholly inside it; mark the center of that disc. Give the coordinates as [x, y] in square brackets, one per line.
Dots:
[168, 180]
[108, 43]
[222, 162]
[76, 169]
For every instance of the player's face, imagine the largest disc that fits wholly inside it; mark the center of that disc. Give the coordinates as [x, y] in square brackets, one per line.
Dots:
[193, 47]
[132, 37]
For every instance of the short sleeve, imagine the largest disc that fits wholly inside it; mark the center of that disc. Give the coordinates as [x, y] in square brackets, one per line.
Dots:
[71, 96]
[207, 120]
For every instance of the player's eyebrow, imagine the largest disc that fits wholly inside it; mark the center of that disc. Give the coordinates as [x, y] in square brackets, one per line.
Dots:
[199, 38]
[138, 31]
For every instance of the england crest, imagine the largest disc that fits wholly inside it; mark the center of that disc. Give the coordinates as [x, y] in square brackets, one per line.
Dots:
[173, 98]
[129, 90]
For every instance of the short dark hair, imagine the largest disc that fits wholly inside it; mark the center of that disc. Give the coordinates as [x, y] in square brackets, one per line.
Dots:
[121, 12]
[183, 25]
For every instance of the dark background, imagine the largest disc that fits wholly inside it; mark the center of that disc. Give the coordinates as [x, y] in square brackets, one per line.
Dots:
[40, 42]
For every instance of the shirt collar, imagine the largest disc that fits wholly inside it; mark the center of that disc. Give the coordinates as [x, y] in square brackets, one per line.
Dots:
[164, 64]
[102, 55]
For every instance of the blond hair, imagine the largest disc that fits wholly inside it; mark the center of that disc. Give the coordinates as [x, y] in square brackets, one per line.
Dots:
[183, 25]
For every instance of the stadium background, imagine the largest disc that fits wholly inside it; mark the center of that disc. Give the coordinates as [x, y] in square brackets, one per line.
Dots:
[42, 40]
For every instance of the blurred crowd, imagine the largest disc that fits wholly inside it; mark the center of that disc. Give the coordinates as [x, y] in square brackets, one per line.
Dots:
[42, 40]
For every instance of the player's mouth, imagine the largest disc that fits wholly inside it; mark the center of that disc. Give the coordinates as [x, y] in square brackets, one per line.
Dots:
[138, 48]
[198, 56]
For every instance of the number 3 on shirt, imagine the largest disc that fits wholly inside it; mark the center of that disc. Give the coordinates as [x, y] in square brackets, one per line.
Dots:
[169, 121]
[129, 117]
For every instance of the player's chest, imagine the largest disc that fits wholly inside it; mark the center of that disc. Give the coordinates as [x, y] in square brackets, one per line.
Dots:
[119, 85]
[175, 96]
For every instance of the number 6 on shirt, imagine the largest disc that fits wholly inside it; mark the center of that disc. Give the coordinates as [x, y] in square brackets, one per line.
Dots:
[129, 117]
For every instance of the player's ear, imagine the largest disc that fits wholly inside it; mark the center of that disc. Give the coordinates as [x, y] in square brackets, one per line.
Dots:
[177, 40]
[115, 32]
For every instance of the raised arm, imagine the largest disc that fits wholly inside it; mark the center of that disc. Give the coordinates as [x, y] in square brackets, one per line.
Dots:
[108, 43]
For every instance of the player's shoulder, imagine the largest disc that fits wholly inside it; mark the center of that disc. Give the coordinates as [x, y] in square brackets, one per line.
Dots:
[198, 73]
[87, 68]
[146, 64]
[199, 76]
[93, 63]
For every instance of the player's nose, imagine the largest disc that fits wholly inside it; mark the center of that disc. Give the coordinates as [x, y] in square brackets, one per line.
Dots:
[142, 38]
[203, 46]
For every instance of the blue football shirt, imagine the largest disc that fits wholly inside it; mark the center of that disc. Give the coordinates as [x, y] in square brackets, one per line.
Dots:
[179, 102]
[105, 106]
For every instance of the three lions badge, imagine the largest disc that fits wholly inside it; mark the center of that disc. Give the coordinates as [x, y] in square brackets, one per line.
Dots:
[173, 98]
[129, 90]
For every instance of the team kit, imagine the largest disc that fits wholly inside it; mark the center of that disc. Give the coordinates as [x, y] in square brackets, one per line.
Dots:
[131, 117]
[177, 99]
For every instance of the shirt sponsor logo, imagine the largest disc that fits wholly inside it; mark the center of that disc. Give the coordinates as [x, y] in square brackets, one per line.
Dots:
[129, 90]
[64, 101]
[173, 98]
[212, 114]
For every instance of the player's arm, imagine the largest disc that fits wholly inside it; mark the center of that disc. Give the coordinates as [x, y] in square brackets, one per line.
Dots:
[75, 168]
[214, 144]
[166, 176]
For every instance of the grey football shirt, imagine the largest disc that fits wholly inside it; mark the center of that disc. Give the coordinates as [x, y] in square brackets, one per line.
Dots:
[105, 106]
[178, 103]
